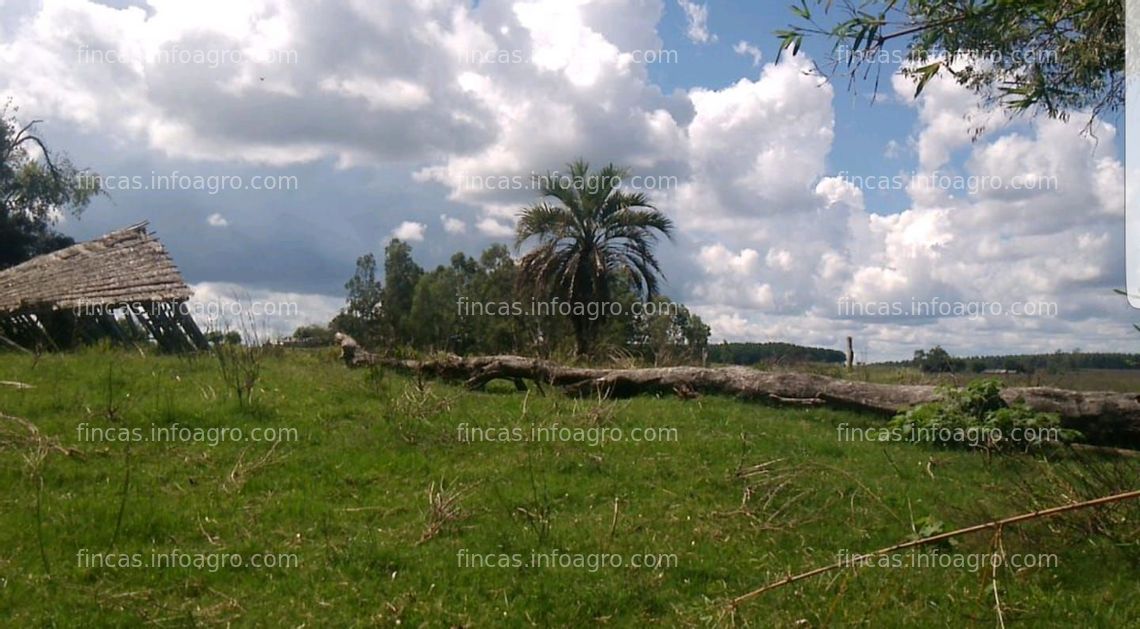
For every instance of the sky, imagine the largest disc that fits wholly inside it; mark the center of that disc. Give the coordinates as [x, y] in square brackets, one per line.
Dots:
[272, 142]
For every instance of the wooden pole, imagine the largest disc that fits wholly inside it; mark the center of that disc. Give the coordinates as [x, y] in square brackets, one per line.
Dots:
[850, 352]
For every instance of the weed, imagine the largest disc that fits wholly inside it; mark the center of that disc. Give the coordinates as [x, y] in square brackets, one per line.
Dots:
[444, 508]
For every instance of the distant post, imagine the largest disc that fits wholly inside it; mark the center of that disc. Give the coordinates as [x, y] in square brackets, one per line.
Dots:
[850, 353]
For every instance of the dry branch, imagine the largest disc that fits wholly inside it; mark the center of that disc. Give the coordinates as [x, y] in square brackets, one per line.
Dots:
[31, 436]
[995, 524]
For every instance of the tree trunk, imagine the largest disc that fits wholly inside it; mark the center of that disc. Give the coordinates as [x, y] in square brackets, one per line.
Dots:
[1104, 417]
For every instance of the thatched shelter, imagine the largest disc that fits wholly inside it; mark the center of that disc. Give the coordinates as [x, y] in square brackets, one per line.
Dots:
[122, 286]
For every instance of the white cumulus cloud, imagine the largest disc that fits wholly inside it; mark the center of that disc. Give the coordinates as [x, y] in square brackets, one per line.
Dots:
[452, 225]
[697, 16]
[409, 231]
[742, 47]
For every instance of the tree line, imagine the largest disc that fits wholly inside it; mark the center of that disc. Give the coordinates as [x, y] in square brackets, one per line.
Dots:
[488, 305]
[938, 360]
[587, 285]
[772, 354]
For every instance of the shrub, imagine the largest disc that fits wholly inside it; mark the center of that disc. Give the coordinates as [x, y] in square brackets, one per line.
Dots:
[977, 417]
[239, 355]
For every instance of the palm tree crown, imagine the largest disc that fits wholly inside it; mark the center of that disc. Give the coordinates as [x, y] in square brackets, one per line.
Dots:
[589, 231]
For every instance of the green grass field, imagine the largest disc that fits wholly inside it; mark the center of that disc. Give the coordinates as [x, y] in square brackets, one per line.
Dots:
[348, 503]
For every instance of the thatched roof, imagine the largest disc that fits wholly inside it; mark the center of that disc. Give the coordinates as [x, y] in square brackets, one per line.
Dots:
[124, 267]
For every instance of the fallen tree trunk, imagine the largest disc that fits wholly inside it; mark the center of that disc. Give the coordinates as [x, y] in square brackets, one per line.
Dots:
[1104, 417]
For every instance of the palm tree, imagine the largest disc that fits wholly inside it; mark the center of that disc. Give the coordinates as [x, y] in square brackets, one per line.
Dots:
[590, 233]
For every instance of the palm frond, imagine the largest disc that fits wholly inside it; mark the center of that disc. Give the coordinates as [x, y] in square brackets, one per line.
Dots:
[647, 221]
[543, 221]
[605, 190]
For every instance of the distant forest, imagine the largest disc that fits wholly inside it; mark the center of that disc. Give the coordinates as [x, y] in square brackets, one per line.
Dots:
[938, 360]
[935, 360]
[771, 353]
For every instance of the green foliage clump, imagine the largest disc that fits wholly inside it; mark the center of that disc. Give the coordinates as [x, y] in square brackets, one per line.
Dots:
[977, 417]
[1028, 56]
[588, 288]
[37, 187]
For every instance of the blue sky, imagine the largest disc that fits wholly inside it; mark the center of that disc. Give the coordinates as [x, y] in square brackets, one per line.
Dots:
[377, 115]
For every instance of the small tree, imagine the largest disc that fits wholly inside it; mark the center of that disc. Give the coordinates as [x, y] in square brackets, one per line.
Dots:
[937, 360]
[672, 334]
[401, 274]
[434, 317]
[360, 317]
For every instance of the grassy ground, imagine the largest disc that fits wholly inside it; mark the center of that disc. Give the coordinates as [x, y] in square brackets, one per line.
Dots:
[351, 496]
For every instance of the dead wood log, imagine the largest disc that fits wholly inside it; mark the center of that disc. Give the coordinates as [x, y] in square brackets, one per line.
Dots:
[1104, 417]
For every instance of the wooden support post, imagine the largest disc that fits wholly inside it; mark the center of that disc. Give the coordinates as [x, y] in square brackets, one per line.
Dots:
[850, 352]
[10, 334]
[41, 332]
[58, 326]
[29, 331]
[141, 314]
[154, 313]
[7, 327]
[172, 318]
[136, 328]
[193, 332]
[172, 337]
[110, 326]
[20, 331]
[87, 329]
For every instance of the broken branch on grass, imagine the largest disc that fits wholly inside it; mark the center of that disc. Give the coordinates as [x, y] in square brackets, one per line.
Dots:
[800, 401]
[242, 469]
[995, 524]
[34, 437]
[613, 524]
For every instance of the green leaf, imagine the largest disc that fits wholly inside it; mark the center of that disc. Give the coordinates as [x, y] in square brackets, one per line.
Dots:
[925, 73]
